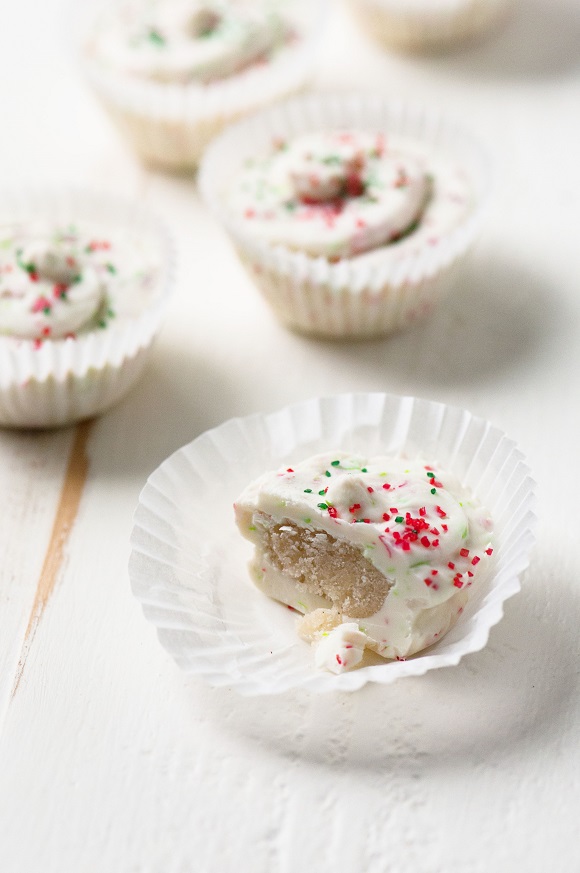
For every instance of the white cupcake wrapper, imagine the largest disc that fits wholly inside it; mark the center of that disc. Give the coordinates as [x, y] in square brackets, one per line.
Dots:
[425, 25]
[351, 298]
[188, 566]
[67, 380]
[170, 125]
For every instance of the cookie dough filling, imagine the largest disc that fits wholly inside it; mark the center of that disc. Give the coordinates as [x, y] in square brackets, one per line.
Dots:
[343, 193]
[55, 284]
[376, 553]
[185, 41]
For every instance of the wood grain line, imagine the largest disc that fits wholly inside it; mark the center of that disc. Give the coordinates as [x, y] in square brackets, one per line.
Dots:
[68, 505]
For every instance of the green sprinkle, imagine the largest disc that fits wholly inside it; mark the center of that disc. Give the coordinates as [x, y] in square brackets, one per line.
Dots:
[110, 312]
[431, 475]
[418, 564]
[155, 37]
[111, 268]
[307, 520]
[252, 527]
[321, 493]
[303, 605]
[464, 534]
[102, 323]
[76, 279]
[364, 470]
[334, 463]
[331, 160]
[322, 505]
[399, 519]
[433, 491]
[308, 490]
[327, 473]
[46, 310]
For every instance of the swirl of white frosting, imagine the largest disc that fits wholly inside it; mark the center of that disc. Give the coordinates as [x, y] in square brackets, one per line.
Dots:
[49, 289]
[333, 194]
[181, 41]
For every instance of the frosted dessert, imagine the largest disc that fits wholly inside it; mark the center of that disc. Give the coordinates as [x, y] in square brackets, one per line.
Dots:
[378, 553]
[341, 193]
[188, 41]
[57, 283]
[428, 25]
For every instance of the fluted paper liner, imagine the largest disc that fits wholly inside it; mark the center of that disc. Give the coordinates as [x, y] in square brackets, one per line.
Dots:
[188, 566]
[353, 297]
[67, 380]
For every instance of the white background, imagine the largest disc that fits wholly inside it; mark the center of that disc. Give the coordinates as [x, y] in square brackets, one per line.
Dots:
[111, 760]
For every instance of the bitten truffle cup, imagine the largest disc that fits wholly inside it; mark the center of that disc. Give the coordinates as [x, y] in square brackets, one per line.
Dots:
[350, 213]
[378, 553]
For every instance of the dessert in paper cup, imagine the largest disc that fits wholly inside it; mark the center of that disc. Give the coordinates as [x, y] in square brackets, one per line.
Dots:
[84, 281]
[172, 73]
[330, 600]
[428, 25]
[350, 212]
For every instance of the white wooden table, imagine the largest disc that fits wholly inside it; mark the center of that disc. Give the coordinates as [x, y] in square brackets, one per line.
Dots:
[111, 760]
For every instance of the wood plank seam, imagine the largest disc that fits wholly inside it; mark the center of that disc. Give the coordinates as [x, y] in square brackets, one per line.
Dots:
[66, 512]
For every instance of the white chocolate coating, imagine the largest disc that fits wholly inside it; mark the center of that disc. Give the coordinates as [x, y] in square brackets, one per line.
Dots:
[340, 649]
[183, 41]
[416, 524]
[58, 282]
[347, 193]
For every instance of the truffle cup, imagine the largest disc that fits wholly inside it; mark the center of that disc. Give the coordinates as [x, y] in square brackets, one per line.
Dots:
[67, 380]
[170, 125]
[424, 26]
[188, 566]
[360, 297]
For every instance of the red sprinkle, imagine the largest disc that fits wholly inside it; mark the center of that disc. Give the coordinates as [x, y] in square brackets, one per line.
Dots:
[458, 583]
[354, 507]
[451, 566]
[476, 560]
[386, 516]
[333, 511]
[370, 489]
[338, 658]
[425, 542]
[464, 553]
[386, 486]
[489, 551]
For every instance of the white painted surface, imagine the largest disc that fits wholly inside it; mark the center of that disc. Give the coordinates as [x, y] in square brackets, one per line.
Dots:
[110, 759]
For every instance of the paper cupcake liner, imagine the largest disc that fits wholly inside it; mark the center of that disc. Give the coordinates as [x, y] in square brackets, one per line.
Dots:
[353, 297]
[170, 125]
[428, 25]
[188, 566]
[68, 380]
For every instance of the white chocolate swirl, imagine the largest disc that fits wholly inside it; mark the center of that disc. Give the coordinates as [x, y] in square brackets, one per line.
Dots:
[333, 194]
[184, 41]
[50, 286]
